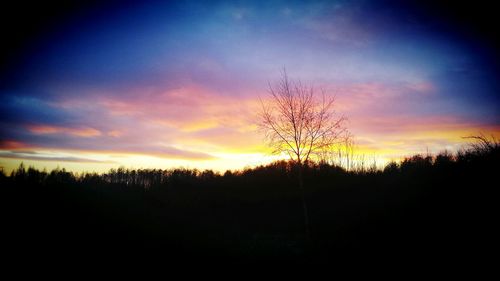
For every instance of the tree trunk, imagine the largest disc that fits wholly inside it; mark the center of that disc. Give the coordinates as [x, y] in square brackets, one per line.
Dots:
[307, 231]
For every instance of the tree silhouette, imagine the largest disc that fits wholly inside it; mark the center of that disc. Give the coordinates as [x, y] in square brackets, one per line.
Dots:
[418, 205]
[301, 123]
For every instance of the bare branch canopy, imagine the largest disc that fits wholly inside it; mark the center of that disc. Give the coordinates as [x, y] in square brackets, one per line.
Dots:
[299, 121]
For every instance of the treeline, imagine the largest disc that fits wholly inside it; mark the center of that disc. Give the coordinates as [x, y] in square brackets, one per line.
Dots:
[431, 205]
[482, 154]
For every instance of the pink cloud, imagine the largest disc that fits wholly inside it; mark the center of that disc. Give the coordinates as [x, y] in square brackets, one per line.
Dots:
[187, 109]
[12, 144]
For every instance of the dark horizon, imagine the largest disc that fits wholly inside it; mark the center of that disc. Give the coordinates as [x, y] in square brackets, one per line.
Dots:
[425, 208]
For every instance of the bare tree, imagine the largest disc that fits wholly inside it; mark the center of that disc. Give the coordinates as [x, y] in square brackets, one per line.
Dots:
[301, 123]
[298, 122]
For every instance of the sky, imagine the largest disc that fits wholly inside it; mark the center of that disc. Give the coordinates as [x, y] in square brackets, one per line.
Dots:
[155, 84]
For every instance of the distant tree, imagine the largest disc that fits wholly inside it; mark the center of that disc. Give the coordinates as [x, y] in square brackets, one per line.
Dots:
[301, 123]
[391, 168]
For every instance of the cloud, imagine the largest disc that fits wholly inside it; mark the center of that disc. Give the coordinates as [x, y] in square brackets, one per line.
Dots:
[85, 132]
[12, 144]
[195, 122]
[32, 155]
[167, 152]
[115, 133]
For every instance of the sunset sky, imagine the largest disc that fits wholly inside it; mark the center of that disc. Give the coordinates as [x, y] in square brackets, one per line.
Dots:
[160, 85]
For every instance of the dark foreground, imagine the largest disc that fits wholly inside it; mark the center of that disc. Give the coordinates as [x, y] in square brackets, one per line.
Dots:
[434, 207]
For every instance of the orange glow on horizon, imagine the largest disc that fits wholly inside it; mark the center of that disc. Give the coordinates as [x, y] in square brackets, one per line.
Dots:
[200, 128]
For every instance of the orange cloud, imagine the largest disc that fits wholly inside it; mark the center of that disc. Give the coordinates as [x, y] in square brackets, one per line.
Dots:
[41, 129]
[115, 133]
[79, 132]
[84, 132]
